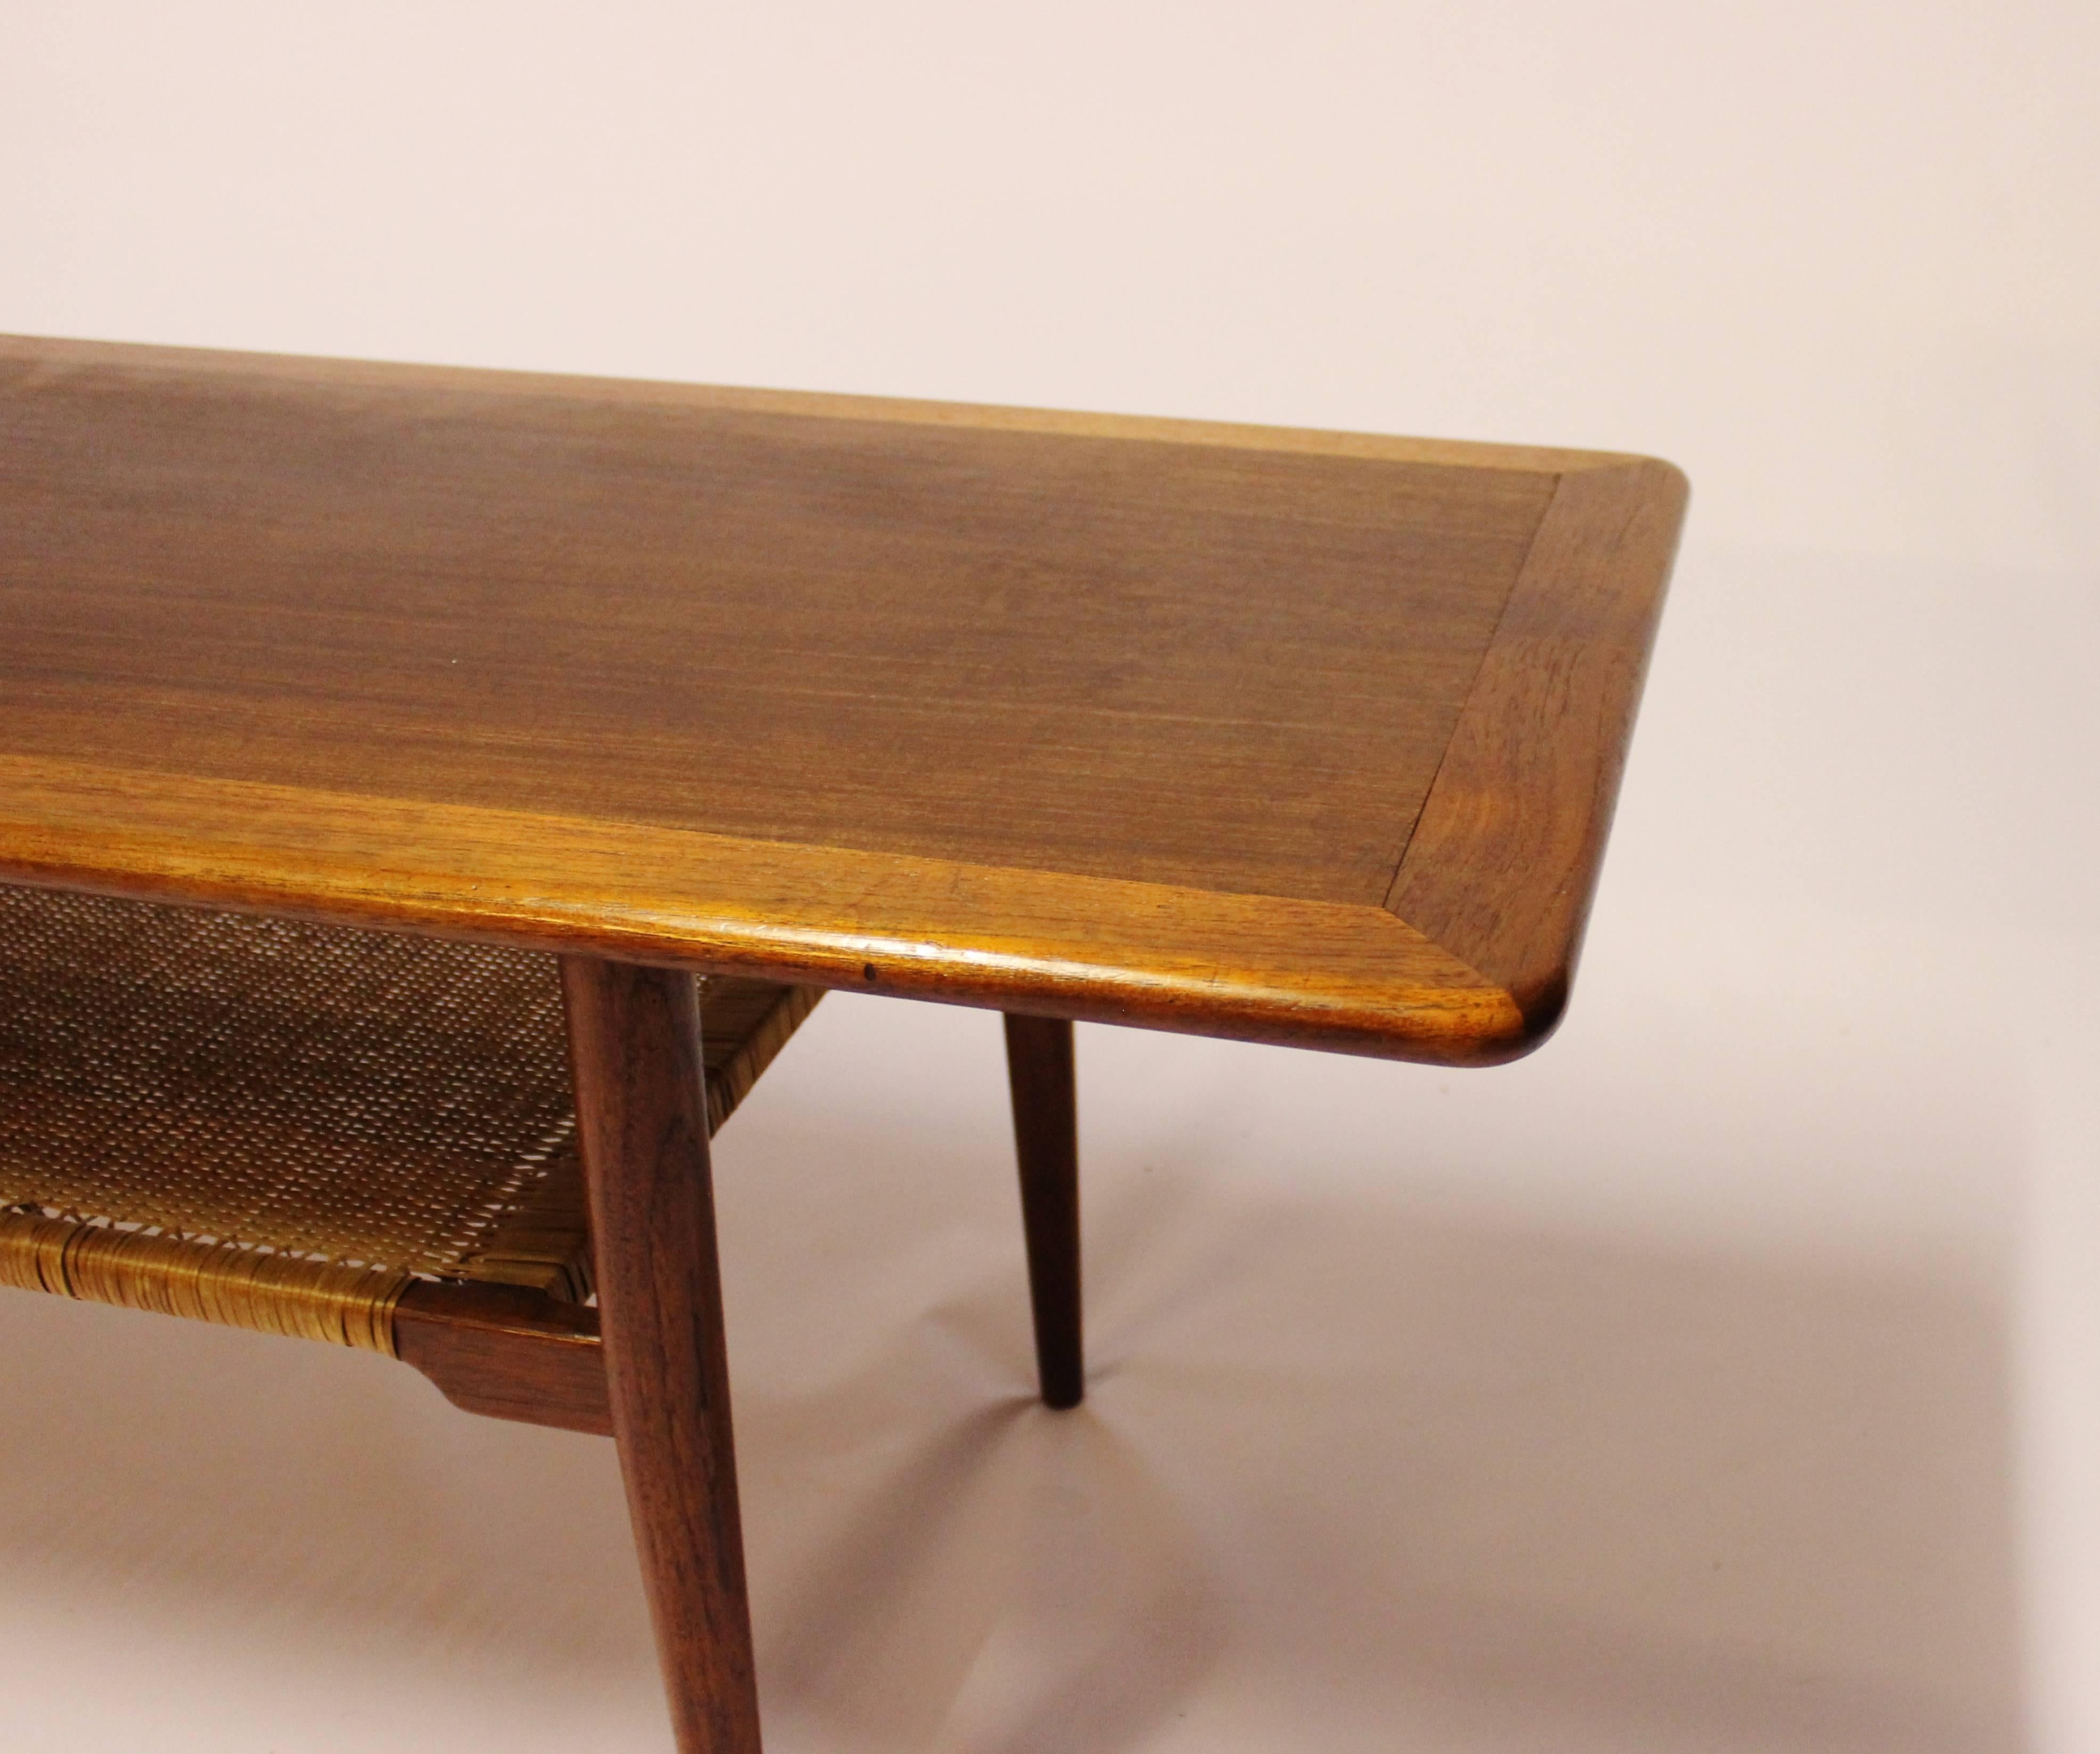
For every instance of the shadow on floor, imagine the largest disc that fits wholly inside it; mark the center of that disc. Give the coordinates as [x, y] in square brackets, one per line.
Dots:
[1382, 1470]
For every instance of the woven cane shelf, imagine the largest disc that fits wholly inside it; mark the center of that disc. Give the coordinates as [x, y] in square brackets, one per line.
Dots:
[287, 1127]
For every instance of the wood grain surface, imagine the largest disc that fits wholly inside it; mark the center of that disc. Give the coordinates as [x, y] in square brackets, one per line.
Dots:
[1503, 862]
[1072, 715]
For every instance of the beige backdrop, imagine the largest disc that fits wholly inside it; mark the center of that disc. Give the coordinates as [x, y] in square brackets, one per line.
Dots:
[1726, 1378]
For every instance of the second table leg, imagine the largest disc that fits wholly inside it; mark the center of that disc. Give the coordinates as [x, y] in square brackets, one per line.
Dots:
[1046, 1135]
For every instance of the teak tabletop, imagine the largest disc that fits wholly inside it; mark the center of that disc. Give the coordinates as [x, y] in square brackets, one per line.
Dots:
[1294, 736]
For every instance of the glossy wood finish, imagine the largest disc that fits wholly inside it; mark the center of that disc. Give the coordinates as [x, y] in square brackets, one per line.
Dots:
[1086, 717]
[1353, 978]
[641, 1121]
[1046, 1137]
[507, 1352]
[943, 643]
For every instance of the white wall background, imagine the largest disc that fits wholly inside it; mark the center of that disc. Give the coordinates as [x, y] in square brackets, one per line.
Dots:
[1726, 1377]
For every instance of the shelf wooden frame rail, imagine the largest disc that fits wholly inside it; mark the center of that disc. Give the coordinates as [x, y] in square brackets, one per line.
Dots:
[1293, 737]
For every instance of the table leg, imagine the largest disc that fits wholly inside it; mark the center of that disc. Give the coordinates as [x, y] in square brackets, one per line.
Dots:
[634, 1046]
[1046, 1135]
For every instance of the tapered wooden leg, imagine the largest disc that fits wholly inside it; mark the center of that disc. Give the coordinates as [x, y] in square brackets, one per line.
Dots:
[634, 1045]
[1046, 1137]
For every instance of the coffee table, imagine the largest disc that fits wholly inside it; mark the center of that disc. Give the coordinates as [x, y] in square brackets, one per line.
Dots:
[1297, 737]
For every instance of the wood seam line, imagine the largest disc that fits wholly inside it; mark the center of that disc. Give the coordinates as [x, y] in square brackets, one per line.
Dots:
[1458, 717]
[1631, 466]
